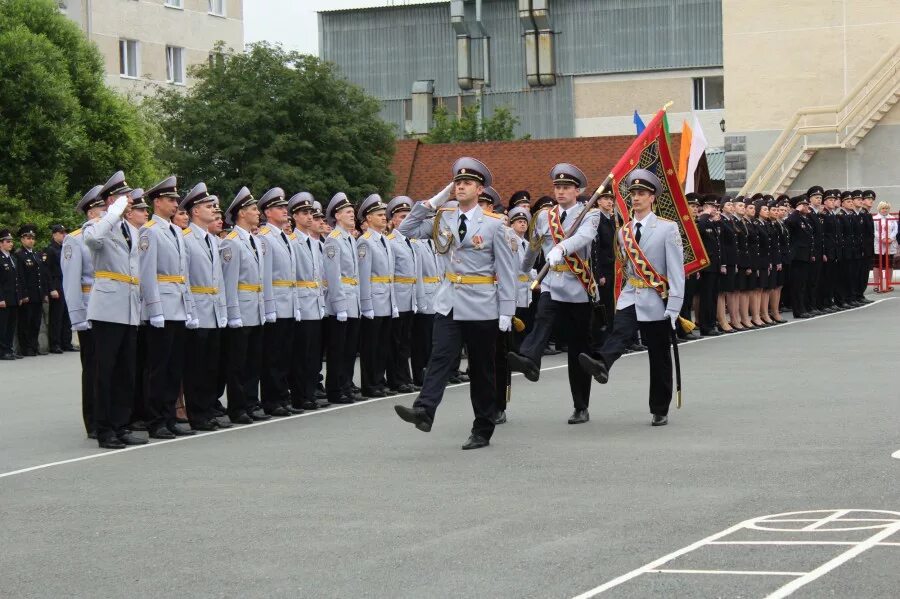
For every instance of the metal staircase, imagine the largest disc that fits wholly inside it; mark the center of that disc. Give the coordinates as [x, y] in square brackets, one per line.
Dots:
[823, 127]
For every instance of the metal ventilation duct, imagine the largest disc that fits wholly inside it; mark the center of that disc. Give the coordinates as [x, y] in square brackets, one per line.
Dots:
[540, 58]
[466, 32]
[422, 95]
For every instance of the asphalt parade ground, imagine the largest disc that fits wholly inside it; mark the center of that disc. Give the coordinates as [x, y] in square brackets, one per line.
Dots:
[778, 478]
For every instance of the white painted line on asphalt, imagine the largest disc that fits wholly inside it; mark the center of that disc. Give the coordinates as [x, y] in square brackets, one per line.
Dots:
[823, 521]
[896, 454]
[742, 572]
[777, 543]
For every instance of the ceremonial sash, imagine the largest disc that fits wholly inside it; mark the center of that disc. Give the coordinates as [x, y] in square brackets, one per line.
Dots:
[642, 267]
[578, 266]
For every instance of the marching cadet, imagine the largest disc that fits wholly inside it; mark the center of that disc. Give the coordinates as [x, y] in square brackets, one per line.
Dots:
[377, 301]
[137, 215]
[399, 378]
[520, 199]
[568, 290]
[9, 296]
[304, 376]
[318, 232]
[477, 297]
[59, 331]
[167, 305]
[33, 286]
[203, 344]
[520, 222]
[114, 312]
[801, 254]
[241, 256]
[281, 305]
[342, 301]
[651, 297]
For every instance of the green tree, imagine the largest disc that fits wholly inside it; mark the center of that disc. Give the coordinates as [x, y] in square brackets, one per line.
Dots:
[270, 117]
[61, 129]
[446, 128]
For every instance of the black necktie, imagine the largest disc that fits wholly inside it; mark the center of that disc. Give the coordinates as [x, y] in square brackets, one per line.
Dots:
[406, 239]
[208, 245]
[383, 244]
[637, 232]
[284, 237]
[462, 227]
[126, 234]
[308, 244]
[562, 217]
[253, 245]
[174, 234]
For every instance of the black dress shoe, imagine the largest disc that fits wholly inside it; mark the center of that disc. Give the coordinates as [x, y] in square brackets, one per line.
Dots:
[323, 403]
[343, 399]
[416, 387]
[659, 420]
[320, 394]
[551, 351]
[374, 393]
[70, 348]
[637, 347]
[417, 416]
[292, 410]
[454, 380]
[204, 425]
[111, 443]
[279, 411]
[92, 435]
[596, 368]
[500, 417]
[222, 422]
[523, 364]
[181, 430]
[388, 391]
[129, 438]
[804, 315]
[309, 405]
[258, 415]
[463, 377]
[138, 425]
[579, 416]
[56, 350]
[406, 388]
[242, 418]
[710, 333]
[476, 442]
[162, 433]
[7, 357]
[18, 356]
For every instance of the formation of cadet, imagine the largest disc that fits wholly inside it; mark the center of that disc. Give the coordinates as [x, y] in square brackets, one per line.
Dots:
[177, 310]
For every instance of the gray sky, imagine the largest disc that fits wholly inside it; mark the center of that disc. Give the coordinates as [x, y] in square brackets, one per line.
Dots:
[293, 23]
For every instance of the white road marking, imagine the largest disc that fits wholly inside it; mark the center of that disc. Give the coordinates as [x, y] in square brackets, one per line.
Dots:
[822, 522]
[742, 572]
[896, 454]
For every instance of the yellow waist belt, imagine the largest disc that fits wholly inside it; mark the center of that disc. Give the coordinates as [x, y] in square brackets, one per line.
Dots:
[170, 278]
[85, 289]
[639, 283]
[349, 281]
[560, 268]
[376, 279]
[405, 280]
[307, 284]
[281, 283]
[116, 276]
[524, 278]
[249, 287]
[431, 279]
[204, 290]
[470, 279]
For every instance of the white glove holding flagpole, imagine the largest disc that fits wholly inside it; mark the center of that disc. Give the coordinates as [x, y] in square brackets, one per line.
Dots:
[555, 257]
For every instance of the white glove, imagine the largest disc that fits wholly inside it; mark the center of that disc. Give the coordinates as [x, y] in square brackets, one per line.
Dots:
[395, 313]
[341, 316]
[118, 207]
[297, 315]
[158, 321]
[192, 324]
[533, 274]
[505, 323]
[270, 317]
[188, 318]
[223, 322]
[672, 316]
[321, 312]
[415, 307]
[370, 314]
[81, 326]
[235, 323]
[555, 257]
[441, 198]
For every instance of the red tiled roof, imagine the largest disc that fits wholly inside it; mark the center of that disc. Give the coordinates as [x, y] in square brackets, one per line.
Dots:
[421, 170]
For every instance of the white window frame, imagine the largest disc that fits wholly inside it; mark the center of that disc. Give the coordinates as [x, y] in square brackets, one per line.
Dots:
[175, 69]
[211, 4]
[178, 4]
[124, 58]
[701, 82]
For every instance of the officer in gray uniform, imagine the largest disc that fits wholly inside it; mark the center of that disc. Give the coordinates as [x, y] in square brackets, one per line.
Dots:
[642, 307]
[78, 278]
[203, 344]
[114, 314]
[477, 297]
[304, 376]
[399, 378]
[168, 306]
[242, 256]
[281, 305]
[568, 289]
[342, 302]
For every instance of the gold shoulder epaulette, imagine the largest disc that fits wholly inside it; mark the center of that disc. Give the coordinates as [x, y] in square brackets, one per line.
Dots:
[292, 236]
[666, 219]
[367, 235]
[75, 233]
[149, 223]
[231, 235]
[391, 236]
[334, 234]
[264, 231]
[186, 231]
[493, 215]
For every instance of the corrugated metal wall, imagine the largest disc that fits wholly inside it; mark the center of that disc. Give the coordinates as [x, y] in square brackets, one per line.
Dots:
[543, 113]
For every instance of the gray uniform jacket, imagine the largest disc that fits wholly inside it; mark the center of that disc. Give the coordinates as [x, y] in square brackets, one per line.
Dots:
[279, 273]
[661, 244]
[480, 272]
[242, 271]
[523, 289]
[428, 275]
[341, 274]
[116, 294]
[376, 271]
[164, 286]
[562, 284]
[205, 277]
[405, 268]
[310, 282]
[77, 274]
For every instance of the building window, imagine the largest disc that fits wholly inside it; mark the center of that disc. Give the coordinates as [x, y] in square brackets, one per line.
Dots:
[175, 3]
[217, 7]
[709, 93]
[129, 58]
[175, 65]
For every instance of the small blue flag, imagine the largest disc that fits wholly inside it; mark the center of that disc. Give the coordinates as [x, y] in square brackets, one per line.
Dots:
[638, 123]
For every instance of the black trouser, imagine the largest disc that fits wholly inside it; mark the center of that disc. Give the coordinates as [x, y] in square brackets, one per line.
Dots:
[813, 279]
[88, 378]
[342, 339]
[114, 352]
[29, 327]
[140, 410]
[165, 366]
[502, 374]
[422, 326]
[691, 282]
[8, 317]
[709, 295]
[201, 373]
[398, 362]
[865, 267]
[480, 336]
[603, 312]
[572, 323]
[59, 329]
[785, 294]
[277, 360]
[304, 375]
[657, 336]
[244, 349]
[799, 278]
[825, 294]
[374, 341]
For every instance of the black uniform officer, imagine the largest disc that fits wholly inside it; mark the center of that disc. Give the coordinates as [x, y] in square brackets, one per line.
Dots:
[603, 263]
[59, 328]
[801, 254]
[9, 296]
[33, 285]
[830, 236]
[868, 243]
[710, 232]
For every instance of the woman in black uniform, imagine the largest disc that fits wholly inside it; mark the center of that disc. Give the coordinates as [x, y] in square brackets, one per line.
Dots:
[742, 295]
[762, 258]
[728, 242]
[752, 278]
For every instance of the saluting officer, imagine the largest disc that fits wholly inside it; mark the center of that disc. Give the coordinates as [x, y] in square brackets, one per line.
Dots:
[304, 376]
[406, 278]
[33, 287]
[477, 297]
[9, 296]
[203, 344]
[114, 311]
[342, 301]
[281, 304]
[568, 289]
[377, 299]
[242, 271]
